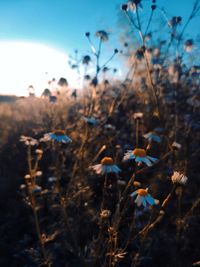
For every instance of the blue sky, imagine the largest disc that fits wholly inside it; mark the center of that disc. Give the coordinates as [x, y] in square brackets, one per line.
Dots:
[62, 23]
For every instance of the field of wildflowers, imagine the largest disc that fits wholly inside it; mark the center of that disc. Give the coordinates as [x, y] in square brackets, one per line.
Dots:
[107, 176]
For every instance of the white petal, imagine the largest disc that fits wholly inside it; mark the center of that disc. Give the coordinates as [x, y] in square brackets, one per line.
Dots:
[152, 159]
[150, 200]
[133, 194]
[97, 168]
[138, 201]
[144, 201]
[115, 169]
[147, 161]
[138, 159]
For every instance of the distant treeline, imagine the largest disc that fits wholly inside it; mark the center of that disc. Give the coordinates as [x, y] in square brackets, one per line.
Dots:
[8, 98]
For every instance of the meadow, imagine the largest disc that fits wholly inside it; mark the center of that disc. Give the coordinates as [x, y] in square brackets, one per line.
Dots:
[108, 175]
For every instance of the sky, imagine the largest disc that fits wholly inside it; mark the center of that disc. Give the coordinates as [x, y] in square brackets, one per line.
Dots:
[61, 24]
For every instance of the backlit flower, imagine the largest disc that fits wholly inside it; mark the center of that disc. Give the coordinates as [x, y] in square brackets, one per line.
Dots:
[179, 178]
[105, 214]
[143, 198]
[90, 121]
[134, 4]
[151, 136]
[28, 141]
[106, 166]
[137, 115]
[176, 145]
[140, 156]
[188, 45]
[58, 135]
[103, 35]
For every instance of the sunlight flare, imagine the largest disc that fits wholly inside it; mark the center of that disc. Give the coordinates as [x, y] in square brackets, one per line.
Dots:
[23, 64]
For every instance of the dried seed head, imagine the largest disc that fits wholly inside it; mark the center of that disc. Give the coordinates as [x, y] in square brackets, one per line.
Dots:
[124, 7]
[105, 214]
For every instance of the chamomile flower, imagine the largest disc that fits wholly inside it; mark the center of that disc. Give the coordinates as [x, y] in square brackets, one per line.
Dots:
[179, 178]
[103, 35]
[188, 45]
[138, 115]
[176, 145]
[151, 136]
[58, 135]
[28, 141]
[140, 156]
[106, 166]
[143, 198]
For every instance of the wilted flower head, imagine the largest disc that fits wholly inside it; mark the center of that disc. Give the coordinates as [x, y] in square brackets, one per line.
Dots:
[176, 145]
[134, 4]
[105, 214]
[139, 54]
[107, 166]
[38, 173]
[105, 69]
[151, 136]
[28, 141]
[58, 135]
[138, 115]
[39, 153]
[179, 178]
[194, 101]
[175, 21]
[103, 35]
[143, 198]
[36, 189]
[109, 129]
[27, 177]
[94, 81]
[188, 45]
[87, 77]
[90, 121]
[52, 179]
[86, 60]
[140, 156]
[124, 7]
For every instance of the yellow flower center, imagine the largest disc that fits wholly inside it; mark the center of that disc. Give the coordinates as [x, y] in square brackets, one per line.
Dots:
[59, 132]
[107, 161]
[139, 152]
[142, 192]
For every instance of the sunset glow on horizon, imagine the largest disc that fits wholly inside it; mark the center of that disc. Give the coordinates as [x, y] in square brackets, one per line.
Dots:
[24, 63]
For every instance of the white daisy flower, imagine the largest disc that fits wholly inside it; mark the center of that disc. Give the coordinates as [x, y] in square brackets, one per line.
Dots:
[28, 141]
[106, 166]
[140, 156]
[58, 135]
[179, 178]
[176, 145]
[143, 198]
[137, 115]
[151, 136]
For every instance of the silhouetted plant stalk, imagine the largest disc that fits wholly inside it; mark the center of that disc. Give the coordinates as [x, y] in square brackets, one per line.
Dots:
[30, 180]
[142, 37]
[103, 36]
[59, 159]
